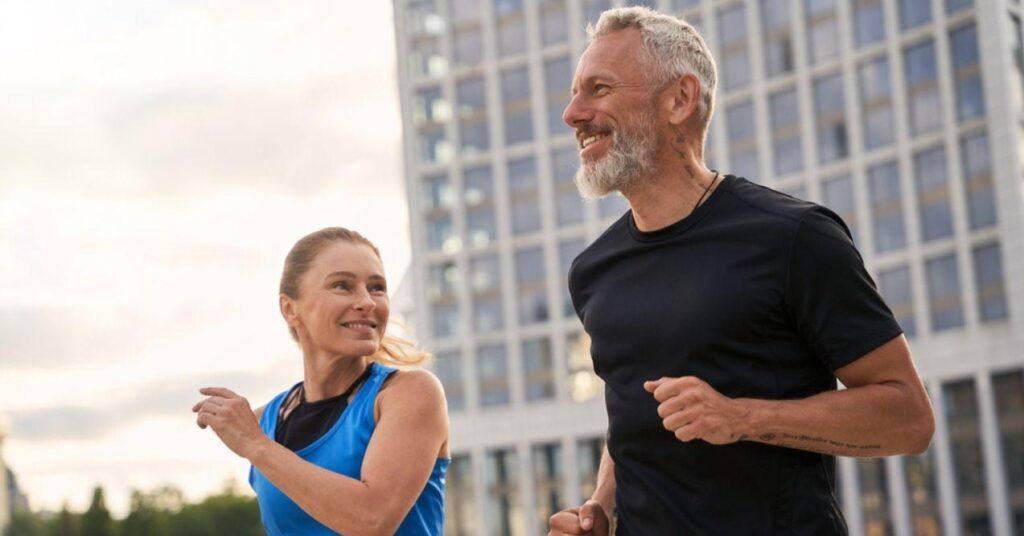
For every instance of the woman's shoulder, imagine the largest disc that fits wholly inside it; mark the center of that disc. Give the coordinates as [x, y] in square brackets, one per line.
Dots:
[413, 382]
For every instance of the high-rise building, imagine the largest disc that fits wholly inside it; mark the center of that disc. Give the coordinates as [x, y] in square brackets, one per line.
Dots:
[906, 117]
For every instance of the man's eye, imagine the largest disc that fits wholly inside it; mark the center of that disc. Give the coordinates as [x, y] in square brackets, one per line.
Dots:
[601, 88]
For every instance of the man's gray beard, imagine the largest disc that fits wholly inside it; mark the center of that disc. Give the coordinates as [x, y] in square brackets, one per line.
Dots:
[630, 158]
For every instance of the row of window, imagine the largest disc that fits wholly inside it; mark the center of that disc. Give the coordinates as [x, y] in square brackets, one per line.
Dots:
[502, 469]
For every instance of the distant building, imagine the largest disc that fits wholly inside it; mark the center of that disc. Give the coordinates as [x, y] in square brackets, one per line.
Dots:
[11, 498]
[904, 116]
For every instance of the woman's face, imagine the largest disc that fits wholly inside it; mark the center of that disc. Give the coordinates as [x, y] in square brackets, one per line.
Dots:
[343, 301]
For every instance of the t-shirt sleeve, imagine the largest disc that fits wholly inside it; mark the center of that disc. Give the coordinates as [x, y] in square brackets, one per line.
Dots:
[830, 296]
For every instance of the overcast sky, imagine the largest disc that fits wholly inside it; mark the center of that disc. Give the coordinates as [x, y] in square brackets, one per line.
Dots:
[157, 161]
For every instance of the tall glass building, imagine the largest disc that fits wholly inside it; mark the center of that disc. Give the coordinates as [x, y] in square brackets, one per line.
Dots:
[906, 117]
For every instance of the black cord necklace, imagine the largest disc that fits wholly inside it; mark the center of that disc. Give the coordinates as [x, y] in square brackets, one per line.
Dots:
[706, 190]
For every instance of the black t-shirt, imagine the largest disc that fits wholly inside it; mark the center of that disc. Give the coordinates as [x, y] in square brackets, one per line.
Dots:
[757, 293]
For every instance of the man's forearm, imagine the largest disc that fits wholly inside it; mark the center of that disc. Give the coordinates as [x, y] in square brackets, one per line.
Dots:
[867, 421]
[604, 492]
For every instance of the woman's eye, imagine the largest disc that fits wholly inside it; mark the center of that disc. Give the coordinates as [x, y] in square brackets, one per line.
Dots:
[340, 285]
[378, 288]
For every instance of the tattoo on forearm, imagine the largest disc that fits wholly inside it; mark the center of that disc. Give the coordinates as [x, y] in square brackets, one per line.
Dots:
[818, 444]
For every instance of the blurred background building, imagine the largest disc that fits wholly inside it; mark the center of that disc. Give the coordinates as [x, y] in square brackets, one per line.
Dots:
[904, 116]
[11, 498]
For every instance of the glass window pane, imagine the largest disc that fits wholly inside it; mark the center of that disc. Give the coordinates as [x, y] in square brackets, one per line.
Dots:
[481, 222]
[588, 460]
[970, 101]
[448, 367]
[502, 510]
[1008, 390]
[492, 370]
[512, 34]
[735, 56]
[538, 369]
[886, 207]
[944, 302]
[874, 496]
[467, 46]
[922, 490]
[868, 22]
[933, 202]
[471, 99]
[787, 151]
[532, 287]
[822, 30]
[524, 196]
[548, 479]
[837, 194]
[568, 203]
[988, 280]
[557, 79]
[922, 88]
[831, 118]
[459, 499]
[554, 22]
[897, 290]
[515, 90]
[961, 412]
[981, 200]
[914, 13]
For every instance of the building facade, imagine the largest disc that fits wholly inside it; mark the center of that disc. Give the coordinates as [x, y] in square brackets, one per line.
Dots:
[906, 117]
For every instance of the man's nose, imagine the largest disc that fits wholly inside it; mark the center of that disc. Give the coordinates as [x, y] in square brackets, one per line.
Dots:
[577, 112]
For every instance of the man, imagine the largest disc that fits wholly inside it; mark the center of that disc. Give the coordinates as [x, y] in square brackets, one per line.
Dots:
[720, 313]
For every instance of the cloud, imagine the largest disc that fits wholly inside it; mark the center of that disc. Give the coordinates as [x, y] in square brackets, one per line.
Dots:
[47, 337]
[158, 398]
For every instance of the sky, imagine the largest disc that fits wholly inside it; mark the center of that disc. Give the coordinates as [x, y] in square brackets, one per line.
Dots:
[158, 159]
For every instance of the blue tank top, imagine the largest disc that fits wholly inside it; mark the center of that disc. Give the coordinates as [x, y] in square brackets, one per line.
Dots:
[341, 450]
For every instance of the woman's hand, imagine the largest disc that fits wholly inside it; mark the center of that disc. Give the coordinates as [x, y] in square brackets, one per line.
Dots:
[231, 418]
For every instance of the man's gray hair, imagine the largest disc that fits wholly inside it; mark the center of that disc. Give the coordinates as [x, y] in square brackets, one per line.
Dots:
[672, 47]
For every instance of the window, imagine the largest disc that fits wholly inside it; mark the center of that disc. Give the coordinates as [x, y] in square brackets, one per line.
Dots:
[923, 492]
[567, 251]
[524, 196]
[970, 99]
[778, 37]
[422, 17]
[485, 286]
[787, 151]
[492, 369]
[874, 496]
[464, 10]
[742, 132]
[886, 207]
[515, 91]
[436, 200]
[467, 46]
[897, 289]
[511, 27]
[557, 79]
[961, 405]
[481, 223]
[532, 288]
[538, 369]
[831, 118]
[502, 510]
[568, 203]
[914, 13]
[876, 102]
[922, 88]
[442, 280]
[1008, 390]
[459, 501]
[868, 22]
[548, 480]
[734, 65]
[425, 57]
[554, 22]
[981, 200]
[822, 30]
[954, 5]
[945, 305]
[592, 10]
[988, 280]
[448, 366]
[471, 98]
[584, 385]
[933, 194]
[838, 195]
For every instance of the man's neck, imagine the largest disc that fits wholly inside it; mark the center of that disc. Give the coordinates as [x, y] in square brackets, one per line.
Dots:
[670, 194]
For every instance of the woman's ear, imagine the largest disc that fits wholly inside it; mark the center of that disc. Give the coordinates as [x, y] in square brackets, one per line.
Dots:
[288, 310]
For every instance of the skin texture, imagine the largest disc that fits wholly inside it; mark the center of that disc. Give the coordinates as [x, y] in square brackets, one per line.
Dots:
[884, 409]
[345, 284]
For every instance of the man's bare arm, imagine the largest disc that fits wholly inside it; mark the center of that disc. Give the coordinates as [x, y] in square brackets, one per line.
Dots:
[883, 411]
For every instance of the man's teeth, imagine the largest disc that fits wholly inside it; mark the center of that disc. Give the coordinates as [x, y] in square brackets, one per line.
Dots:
[591, 139]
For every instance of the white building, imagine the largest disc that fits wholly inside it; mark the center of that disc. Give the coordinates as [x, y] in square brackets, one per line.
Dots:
[904, 116]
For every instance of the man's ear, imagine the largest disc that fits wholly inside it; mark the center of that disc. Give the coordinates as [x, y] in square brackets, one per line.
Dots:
[684, 94]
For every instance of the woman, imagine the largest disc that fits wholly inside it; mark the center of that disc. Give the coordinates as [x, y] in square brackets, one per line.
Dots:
[357, 447]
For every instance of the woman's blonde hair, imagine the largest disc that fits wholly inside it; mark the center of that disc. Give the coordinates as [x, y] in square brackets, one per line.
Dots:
[392, 350]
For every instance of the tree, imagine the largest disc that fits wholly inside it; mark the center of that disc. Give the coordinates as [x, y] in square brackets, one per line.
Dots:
[25, 523]
[96, 521]
[65, 524]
